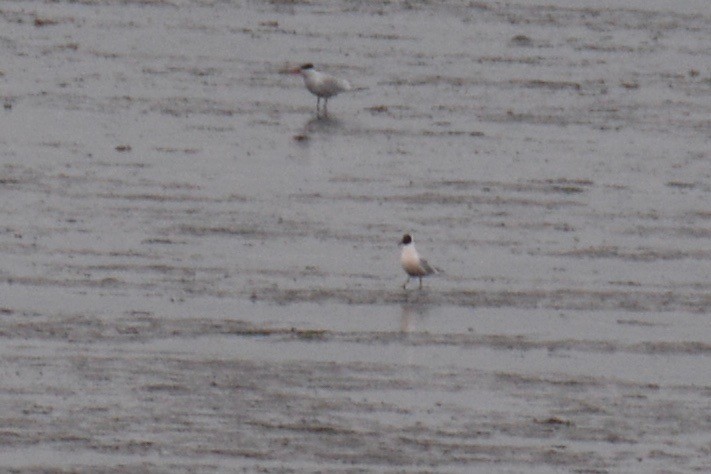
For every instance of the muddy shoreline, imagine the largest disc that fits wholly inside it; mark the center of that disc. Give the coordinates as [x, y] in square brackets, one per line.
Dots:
[200, 276]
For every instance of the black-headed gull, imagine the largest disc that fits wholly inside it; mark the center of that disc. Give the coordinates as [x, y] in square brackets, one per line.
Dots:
[414, 265]
[322, 85]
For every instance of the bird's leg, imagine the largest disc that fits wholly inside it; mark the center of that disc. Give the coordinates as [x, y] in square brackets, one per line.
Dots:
[325, 107]
[318, 103]
[420, 283]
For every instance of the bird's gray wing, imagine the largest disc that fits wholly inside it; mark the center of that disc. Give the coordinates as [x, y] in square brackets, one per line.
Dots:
[336, 85]
[426, 267]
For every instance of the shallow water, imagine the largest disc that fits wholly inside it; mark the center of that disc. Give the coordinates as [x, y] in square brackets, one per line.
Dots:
[200, 276]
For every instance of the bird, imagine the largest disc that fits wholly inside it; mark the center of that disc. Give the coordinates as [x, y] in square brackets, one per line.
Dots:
[322, 85]
[414, 265]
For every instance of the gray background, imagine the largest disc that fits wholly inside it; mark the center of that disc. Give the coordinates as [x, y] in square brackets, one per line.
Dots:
[198, 276]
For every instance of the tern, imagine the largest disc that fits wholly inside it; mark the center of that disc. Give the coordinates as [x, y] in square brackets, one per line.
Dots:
[322, 85]
[414, 265]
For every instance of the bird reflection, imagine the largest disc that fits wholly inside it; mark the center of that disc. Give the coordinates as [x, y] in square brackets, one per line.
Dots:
[409, 313]
[322, 124]
[318, 126]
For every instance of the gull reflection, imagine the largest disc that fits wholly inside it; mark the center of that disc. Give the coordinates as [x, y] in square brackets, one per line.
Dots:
[410, 312]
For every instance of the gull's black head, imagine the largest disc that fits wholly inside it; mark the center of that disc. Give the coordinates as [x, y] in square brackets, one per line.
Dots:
[307, 66]
[406, 239]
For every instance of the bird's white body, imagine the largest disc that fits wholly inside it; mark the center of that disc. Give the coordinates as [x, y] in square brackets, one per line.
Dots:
[322, 85]
[414, 265]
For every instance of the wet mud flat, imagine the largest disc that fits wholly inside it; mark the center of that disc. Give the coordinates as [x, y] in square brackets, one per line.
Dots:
[200, 276]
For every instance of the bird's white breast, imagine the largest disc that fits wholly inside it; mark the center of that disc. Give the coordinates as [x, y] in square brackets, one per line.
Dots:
[410, 261]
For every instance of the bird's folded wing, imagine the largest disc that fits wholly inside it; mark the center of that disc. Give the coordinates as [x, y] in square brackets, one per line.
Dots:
[427, 268]
[340, 84]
